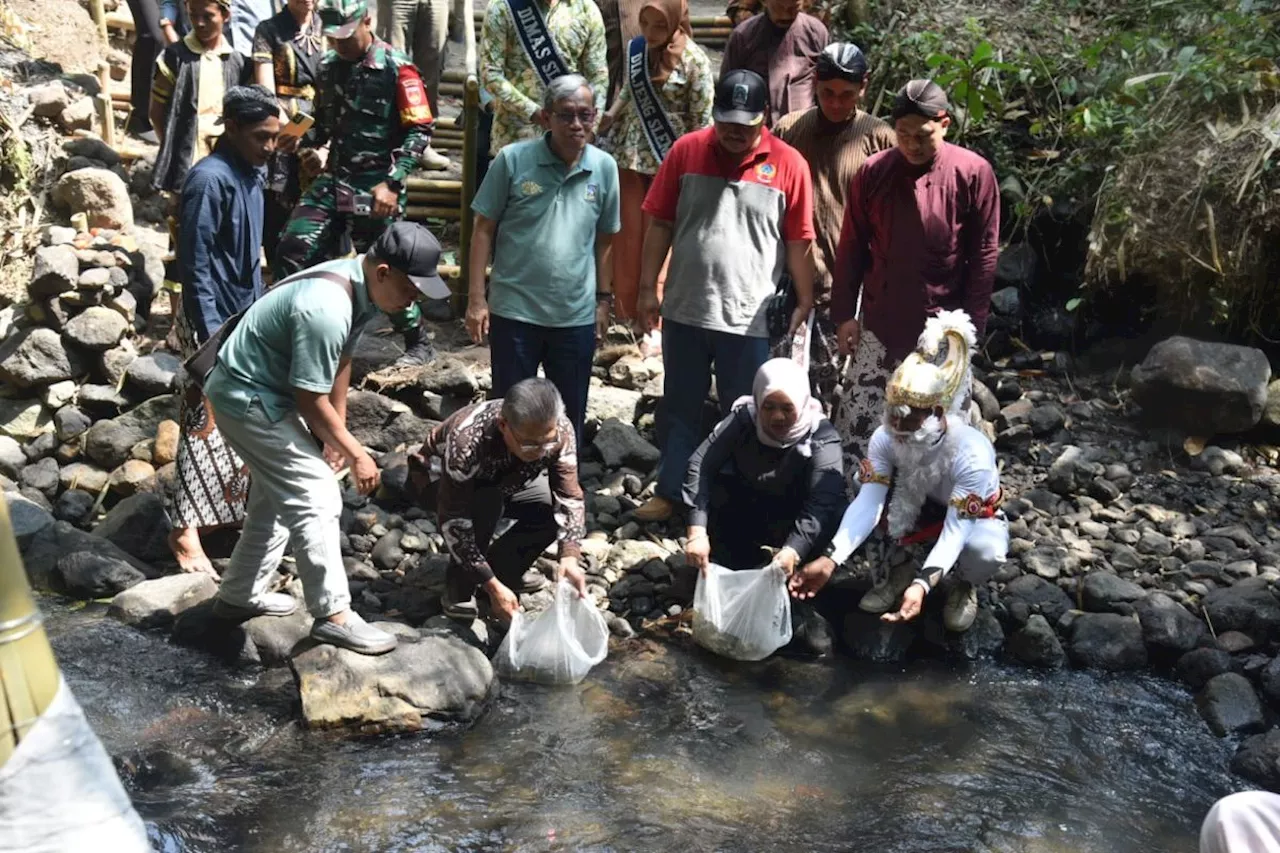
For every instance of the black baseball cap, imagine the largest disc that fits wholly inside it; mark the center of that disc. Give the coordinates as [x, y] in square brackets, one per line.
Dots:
[741, 98]
[415, 251]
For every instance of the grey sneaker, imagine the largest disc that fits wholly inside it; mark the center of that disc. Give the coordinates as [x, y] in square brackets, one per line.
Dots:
[961, 607]
[271, 604]
[887, 595]
[355, 634]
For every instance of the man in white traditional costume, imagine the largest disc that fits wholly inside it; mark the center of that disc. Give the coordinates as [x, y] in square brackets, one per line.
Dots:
[924, 455]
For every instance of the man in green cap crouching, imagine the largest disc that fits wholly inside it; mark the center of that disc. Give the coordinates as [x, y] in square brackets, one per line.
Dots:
[281, 378]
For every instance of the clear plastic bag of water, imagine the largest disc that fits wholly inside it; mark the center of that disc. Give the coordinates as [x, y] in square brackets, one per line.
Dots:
[559, 645]
[742, 615]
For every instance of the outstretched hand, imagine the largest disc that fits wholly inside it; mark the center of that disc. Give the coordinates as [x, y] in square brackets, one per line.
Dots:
[810, 580]
[912, 603]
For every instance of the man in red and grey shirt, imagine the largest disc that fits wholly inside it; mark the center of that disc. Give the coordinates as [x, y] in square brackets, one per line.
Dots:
[734, 205]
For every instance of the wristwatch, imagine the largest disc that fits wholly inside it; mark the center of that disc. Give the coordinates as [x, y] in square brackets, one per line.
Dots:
[394, 185]
[604, 296]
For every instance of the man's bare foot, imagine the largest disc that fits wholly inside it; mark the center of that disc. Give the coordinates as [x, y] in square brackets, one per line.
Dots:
[184, 542]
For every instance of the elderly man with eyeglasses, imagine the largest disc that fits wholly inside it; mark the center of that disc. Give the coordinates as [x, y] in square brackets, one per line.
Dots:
[513, 459]
[551, 289]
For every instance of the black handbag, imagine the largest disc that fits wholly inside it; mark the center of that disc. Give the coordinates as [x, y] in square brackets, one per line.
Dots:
[778, 309]
[205, 358]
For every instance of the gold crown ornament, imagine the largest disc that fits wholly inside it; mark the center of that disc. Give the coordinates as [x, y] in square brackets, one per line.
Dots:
[920, 382]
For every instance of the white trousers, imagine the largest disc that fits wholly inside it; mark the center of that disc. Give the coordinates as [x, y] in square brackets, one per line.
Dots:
[1248, 822]
[984, 552]
[294, 498]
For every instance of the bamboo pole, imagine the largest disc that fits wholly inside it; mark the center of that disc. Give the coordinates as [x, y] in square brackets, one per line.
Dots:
[28, 670]
[470, 131]
[420, 212]
[117, 21]
[432, 184]
[99, 14]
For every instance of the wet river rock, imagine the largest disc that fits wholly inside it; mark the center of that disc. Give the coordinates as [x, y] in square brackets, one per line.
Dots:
[432, 677]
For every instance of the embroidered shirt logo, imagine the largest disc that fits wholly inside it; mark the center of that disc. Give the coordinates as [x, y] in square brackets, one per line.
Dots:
[765, 172]
[530, 188]
[592, 191]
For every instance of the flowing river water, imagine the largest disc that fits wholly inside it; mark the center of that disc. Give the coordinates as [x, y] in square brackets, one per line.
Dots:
[662, 748]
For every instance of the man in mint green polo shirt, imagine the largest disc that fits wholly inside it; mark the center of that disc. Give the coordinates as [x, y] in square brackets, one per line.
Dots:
[280, 383]
[553, 204]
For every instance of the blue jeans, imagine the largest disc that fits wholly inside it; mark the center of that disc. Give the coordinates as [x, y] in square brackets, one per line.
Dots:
[688, 354]
[565, 354]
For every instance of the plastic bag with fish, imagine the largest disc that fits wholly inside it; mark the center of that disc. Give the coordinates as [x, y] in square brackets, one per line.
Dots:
[559, 645]
[742, 615]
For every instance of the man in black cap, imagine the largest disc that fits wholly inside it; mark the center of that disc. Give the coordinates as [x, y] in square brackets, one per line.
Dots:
[734, 204]
[281, 378]
[921, 234]
[836, 137]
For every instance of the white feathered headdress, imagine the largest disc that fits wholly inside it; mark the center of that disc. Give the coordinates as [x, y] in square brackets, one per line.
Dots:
[920, 382]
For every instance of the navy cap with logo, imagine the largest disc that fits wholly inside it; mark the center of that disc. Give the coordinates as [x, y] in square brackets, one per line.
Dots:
[415, 251]
[741, 98]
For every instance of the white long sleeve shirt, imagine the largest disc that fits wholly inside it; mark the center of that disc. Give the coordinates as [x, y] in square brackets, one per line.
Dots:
[969, 485]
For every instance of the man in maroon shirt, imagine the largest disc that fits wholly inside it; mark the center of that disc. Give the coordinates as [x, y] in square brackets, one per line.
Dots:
[921, 234]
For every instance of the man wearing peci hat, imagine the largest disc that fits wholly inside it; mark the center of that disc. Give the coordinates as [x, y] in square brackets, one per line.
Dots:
[836, 137]
[218, 264]
[373, 122]
[921, 235]
[280, 383]
[734, 205]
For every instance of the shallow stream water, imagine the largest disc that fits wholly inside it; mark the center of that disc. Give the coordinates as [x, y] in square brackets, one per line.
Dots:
[662, 748]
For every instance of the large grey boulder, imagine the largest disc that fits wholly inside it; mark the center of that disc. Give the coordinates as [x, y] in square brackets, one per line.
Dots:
[36, 357]
[1203, 388]
[24, 420]
[97, 328]
[138, 525]
[1258, 760]
[1167, 625]
[1229, 705]
[1248, 606]
[56, 540]
[1107, 641]
[432, 677]
[383, 423]
[89, 574]
[1037, 595]
[619, 444]
[606, 401]
[98, 193]
[27, 518]
[153, 375]
[56, 270]
[1103, 592]
[1036, 644]
[110, 442]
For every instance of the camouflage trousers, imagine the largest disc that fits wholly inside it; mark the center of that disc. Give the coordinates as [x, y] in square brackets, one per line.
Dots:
[317, 232]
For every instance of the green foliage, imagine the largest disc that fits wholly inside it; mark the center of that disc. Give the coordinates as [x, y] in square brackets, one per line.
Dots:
[1069, 98]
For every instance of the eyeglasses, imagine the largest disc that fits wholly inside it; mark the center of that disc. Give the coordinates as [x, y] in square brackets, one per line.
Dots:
[535, 445]
[584, 116]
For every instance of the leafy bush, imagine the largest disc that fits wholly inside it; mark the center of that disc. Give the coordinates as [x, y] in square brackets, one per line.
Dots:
[1159, 120]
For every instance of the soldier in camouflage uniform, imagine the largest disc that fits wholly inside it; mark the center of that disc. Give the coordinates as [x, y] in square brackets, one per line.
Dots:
[372, 113]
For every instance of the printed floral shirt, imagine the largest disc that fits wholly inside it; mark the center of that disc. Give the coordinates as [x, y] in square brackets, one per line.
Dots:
[472, 454]
[686, 98]
[507, 75]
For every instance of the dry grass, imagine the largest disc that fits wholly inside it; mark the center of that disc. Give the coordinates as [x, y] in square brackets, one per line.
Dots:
[1198, 213]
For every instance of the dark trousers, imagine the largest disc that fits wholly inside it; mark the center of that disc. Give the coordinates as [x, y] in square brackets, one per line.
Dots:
[688, 356]
[149, 40]
[512, 553]
[741, 522]
[517, 349]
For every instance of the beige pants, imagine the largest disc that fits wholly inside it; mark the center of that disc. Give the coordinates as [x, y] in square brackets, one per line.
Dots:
[420, 28]
[294, 498]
